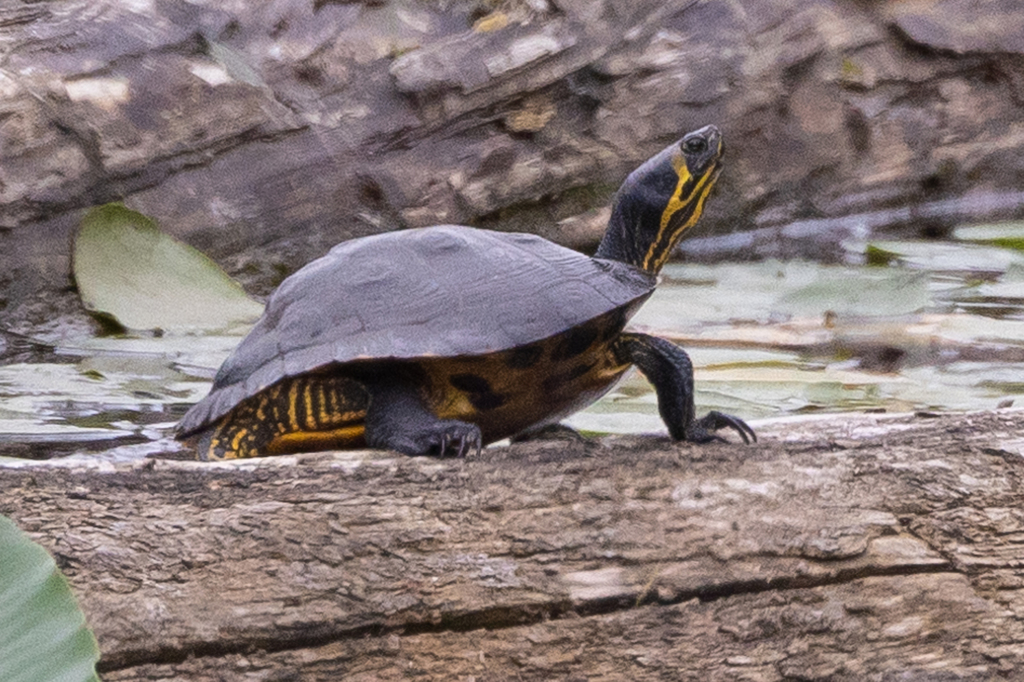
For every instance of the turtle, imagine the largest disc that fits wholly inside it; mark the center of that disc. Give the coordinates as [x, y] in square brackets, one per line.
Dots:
[438, 340]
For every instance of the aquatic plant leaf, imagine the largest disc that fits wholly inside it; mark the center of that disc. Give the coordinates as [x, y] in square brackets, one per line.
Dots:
[43, 633]
[874, 255]
[128, 269]
[1008, 235]
[892, 292]
[1014, 273]
[936, 256]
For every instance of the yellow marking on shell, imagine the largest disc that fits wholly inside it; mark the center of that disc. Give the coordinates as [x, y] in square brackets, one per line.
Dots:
[261, 415]
[453, 403]
[335, 407]
[300, 441]
[307, 395]
[293, 399]
[272, 401]
[236, 442]
[325, 416]
[528, 397]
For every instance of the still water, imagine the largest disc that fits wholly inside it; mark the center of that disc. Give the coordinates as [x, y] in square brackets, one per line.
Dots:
[915, 326]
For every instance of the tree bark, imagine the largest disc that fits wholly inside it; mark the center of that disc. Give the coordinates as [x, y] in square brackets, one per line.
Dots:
[866, 547]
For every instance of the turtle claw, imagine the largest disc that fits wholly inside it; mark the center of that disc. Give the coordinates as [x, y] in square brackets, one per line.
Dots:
[458, 438]
[703, 429]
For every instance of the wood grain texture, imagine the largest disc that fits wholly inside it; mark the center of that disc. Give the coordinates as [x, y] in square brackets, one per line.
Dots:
[843, 548]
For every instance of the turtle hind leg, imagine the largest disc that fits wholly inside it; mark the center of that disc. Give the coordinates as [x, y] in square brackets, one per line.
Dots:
[669, 368]
[240, 434]
[398, 419]
[301, 414]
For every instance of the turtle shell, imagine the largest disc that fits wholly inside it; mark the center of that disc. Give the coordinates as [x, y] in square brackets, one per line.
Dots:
[441, 291]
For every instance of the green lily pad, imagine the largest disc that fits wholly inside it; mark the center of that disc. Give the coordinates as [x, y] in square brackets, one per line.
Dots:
[43, 633]
[879, 257]
[127, 269]
[1008, 235]
[935, 256]
[1014, 273]
[877, 293]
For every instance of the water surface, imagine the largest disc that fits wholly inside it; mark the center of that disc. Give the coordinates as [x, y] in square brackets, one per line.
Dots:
[914, 326]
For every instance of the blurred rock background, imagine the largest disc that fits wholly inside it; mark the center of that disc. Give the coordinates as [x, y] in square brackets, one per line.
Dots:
[265, 132]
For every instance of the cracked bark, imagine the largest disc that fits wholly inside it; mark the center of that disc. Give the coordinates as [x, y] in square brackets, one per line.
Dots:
[846, 548]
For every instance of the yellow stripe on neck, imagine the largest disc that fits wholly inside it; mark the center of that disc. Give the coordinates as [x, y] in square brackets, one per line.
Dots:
[702, 190]
[658, 251]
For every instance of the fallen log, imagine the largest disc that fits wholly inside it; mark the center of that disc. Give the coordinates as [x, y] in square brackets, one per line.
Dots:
[854, 547]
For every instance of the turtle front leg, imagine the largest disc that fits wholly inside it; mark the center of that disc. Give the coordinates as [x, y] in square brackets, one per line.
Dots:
[397, 419]
[669, 369]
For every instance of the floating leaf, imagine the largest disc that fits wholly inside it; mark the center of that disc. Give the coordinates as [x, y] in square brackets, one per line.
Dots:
[127, 268]
[1007, 235]
[43, 633]
[893, 292]
[1014, 273]
[722, 293]
[877, 256]
[938, 256]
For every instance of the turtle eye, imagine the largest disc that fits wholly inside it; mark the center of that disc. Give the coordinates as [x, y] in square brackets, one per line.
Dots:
[695, 145]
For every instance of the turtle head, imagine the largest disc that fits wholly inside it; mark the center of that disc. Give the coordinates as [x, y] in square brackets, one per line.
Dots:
[661, 199]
